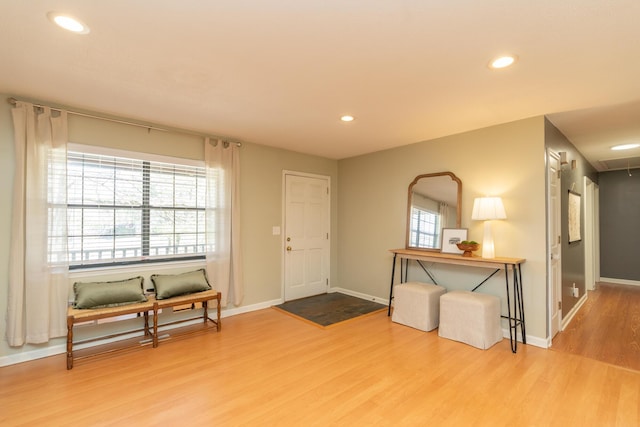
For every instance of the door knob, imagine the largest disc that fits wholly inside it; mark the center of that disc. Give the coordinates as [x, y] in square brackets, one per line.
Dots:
[288, 248]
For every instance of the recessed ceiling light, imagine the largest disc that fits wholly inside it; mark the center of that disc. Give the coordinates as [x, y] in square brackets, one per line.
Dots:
[503, 61]
[68, 22]
[347, 118]
[625, 146]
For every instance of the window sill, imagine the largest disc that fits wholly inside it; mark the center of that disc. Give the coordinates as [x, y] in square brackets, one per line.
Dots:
[140, 269]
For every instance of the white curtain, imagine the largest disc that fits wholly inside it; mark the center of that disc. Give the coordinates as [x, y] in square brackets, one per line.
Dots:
[224, 259]
[38, 268]
[444, 215]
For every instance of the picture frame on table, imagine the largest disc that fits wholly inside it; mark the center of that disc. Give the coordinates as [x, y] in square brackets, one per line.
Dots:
[450, 237]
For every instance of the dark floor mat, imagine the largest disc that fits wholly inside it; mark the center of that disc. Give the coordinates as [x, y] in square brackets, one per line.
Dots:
[329, 309]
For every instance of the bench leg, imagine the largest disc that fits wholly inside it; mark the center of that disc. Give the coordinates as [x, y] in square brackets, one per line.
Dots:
[155, 325]
[218, 324]
[147, 332]
[205, 314]
[69, 343]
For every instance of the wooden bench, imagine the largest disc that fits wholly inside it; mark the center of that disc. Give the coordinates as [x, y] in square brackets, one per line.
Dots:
[199, 297]
[75, 315]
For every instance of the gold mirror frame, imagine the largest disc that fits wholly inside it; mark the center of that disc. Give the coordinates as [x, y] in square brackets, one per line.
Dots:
[432, 186]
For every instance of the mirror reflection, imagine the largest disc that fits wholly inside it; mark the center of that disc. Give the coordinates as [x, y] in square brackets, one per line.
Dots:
[433, 204]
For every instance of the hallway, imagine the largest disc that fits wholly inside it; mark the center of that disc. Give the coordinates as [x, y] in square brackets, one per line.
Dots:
[606, 328]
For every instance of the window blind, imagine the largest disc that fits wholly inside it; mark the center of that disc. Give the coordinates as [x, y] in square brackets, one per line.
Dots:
[124, 210]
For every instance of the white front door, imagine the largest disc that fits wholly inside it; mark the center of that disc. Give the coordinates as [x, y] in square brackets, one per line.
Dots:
[555, 245]
[306, 235]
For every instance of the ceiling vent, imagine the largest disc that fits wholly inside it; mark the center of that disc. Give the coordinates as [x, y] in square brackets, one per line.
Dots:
[619, 164]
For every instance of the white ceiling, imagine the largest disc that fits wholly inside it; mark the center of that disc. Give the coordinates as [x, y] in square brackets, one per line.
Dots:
[281, 72]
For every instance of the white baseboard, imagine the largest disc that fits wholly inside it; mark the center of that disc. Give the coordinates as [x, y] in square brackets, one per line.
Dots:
[538, 342]
[619, 281]
[569, 317]
[54, 350]
[27, 356]
[228, 312]
[531, 340]
[360, 295]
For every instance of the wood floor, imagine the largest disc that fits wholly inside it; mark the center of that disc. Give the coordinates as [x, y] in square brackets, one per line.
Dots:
[606, 328]
[266, 368]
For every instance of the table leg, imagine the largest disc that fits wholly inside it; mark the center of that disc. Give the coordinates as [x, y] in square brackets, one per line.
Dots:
[523, 327]
[393, 274]
[404, 270]
[511, 318]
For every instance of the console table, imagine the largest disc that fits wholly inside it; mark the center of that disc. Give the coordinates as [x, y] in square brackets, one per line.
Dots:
[515, 305]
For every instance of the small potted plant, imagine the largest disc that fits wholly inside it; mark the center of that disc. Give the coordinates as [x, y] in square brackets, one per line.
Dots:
[468, 246]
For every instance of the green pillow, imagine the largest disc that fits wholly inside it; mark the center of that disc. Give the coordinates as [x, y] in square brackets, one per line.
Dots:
[171, 285]
[108, 294]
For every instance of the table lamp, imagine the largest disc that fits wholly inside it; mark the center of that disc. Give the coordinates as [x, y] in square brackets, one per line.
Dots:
[487, 209]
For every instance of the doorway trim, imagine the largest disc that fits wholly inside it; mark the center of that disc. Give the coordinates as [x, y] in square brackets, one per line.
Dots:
[591, 231]
[554, 222]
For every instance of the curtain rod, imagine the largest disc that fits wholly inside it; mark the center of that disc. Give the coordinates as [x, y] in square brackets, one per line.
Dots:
[13, 101]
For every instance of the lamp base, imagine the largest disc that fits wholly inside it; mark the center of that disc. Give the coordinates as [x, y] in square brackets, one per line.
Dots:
[488, 250]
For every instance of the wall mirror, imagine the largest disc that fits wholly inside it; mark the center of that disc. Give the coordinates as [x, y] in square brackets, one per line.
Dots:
[433, 204]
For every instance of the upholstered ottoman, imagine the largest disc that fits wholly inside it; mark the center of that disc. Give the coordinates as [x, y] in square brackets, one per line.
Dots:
[470, 318]
[417, 305]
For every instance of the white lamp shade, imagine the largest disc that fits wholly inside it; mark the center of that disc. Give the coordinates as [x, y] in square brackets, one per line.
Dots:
[488, 208]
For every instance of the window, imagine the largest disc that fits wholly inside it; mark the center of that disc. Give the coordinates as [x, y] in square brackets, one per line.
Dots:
[125, 210]
[424, 228]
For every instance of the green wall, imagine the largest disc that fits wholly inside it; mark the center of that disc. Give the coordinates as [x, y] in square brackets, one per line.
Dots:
[368, 208]
[261, 187]
[505, 160]
[261, 200]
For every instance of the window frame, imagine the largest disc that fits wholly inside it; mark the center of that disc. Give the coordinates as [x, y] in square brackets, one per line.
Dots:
[417, 231]
[143, 157]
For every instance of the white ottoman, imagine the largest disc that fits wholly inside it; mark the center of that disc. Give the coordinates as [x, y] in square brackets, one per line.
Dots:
[417, 305]
[470, 318]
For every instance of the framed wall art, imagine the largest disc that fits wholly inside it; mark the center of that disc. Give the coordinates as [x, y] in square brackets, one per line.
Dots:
[574, 217]
[451, 236]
